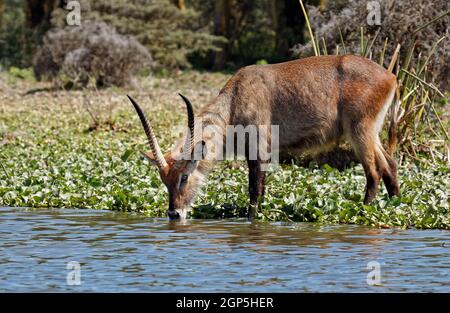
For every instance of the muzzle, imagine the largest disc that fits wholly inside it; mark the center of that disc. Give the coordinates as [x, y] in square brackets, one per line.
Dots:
[173, 214]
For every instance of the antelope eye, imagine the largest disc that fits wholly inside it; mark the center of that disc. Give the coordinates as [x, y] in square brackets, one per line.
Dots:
[184, 178]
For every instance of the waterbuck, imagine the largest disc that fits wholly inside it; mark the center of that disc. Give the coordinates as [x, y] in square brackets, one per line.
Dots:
[315, 102]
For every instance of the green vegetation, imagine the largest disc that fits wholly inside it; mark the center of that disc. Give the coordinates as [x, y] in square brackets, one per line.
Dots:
[52, 156]
[80, 148]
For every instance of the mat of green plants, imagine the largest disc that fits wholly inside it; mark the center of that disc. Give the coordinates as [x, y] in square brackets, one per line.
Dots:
[80, 149]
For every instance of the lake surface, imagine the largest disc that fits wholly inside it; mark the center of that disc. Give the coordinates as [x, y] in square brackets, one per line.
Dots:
[119, 252]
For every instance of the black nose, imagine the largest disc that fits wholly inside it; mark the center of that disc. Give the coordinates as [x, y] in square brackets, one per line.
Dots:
[173, 215]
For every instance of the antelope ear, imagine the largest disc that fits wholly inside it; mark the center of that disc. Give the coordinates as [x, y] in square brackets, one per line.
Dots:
[198, 153]
[149, 156]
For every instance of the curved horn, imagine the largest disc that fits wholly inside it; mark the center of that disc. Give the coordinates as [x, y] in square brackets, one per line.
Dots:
[154, 146]
[191, 122]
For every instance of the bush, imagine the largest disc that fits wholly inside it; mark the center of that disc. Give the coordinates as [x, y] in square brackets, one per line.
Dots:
[74, 55]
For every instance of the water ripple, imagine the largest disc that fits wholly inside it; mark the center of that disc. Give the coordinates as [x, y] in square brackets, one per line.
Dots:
[132, 253]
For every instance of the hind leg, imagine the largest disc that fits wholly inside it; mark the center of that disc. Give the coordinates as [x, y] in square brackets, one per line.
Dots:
[364, 145]
[390, 178]
[372, 180]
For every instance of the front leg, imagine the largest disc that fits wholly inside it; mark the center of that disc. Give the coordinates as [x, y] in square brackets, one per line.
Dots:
[256, 182]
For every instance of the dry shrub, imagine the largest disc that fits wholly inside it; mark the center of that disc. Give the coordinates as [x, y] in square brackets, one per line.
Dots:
[399, 20]
[74, 55]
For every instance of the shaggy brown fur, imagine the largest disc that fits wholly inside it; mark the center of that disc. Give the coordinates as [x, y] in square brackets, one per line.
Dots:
[316, 102]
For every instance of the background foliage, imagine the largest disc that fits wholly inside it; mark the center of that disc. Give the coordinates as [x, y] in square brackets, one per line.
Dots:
[169, 33]
[338, 23]
[211, 34]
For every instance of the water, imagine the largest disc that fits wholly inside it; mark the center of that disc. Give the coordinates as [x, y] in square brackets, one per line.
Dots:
[132, 253]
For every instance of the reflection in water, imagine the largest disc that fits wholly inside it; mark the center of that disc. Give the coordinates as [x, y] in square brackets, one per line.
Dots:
[125, 252]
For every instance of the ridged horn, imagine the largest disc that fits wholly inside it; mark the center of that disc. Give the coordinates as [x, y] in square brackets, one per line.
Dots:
[153, 142]
[191, 122]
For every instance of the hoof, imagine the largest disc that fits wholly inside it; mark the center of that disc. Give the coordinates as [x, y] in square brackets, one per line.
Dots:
[251, 213]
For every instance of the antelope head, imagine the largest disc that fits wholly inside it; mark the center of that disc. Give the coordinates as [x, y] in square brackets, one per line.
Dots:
[179, 169]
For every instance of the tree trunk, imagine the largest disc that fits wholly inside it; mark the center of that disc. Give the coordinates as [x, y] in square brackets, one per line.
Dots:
[288, 23]
[2, 10]
[276, 11]
[38, 12]
[221, 28]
